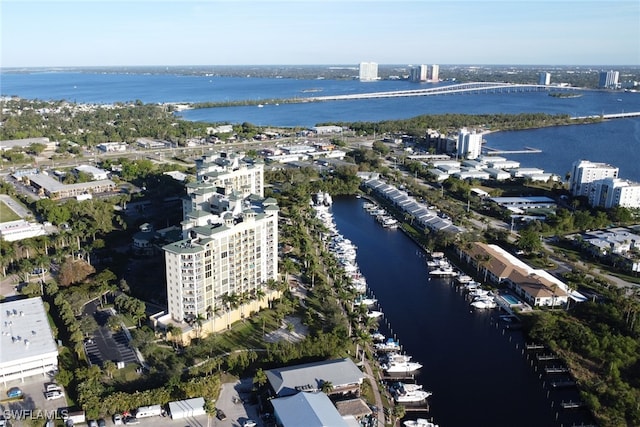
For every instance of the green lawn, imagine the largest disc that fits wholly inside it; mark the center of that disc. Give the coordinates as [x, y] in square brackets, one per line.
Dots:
[6, 214]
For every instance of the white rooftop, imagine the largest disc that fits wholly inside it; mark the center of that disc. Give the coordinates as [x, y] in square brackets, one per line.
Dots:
[24, 330]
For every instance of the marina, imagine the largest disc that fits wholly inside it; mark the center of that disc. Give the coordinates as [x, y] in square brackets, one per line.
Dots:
[419, 303]
[398, 368]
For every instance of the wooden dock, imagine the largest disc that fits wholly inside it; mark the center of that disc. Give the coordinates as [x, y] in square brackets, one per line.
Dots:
[571, 405]
[556, 370]
[534, 347]
[547, 356]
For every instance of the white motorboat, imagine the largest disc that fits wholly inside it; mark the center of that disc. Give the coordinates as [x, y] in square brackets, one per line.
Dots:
[365, 301]
[444, 272]
[414, 396]
[377, 336]
[404, 386]
[401, 367]
[438, 263]
[472, 285]
[389, 345]
[484, 302]
[478, 292]
[394, 357]
[464, 279]
[375, 314]
[420, 422]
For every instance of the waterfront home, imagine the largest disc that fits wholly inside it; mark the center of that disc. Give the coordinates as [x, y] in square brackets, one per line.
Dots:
[536, 287]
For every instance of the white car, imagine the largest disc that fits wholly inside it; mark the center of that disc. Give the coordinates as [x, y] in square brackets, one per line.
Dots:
[56, 394]
[249, 423]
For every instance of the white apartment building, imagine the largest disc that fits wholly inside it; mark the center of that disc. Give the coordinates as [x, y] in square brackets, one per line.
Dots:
[469, 144]
[615, 192]
[229, 248]
[368, 71]
[584, 173]
[225, 170]
[434, 73]
[234, 258]
[545, 79]
[609, 79]
[419, 73]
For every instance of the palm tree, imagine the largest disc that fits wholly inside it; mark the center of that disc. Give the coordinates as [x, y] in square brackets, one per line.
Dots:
[326, 387]
[212, 313]
[231, 302]
[260, 378]
[175, 332]
[109, 368]
[198, 322]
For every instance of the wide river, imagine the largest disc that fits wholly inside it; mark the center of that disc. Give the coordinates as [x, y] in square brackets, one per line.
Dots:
[616, 141]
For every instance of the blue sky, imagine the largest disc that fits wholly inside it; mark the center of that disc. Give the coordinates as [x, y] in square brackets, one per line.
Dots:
[213, 32]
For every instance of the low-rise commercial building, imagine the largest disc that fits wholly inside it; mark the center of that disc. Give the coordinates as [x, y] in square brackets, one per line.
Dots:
[27, 346]
[54, 189]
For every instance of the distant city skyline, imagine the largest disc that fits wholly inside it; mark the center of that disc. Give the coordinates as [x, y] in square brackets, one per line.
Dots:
[75, 33]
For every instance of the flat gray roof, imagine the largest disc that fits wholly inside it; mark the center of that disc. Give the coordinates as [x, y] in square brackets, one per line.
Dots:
[24, 330]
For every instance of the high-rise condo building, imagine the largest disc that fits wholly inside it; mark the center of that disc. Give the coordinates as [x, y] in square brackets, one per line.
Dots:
[368, 71]
[584, 173]
[218, 272]
[419, 73]
[469, 144]
[609, 79]
[434, 73]
[545, 79]
[615, 192]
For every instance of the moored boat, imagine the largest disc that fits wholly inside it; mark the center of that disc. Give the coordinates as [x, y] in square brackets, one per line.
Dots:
[443, 272]
[400, 367]
[420, 422]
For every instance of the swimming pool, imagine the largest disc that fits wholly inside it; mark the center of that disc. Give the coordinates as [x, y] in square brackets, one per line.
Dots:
[510, 299]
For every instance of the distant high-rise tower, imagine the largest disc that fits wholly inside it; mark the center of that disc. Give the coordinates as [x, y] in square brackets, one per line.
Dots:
[434, 73]
[609, 79]
[469, 144]
[419, 73]
[584, 173]
[545, 79]
[368, 71]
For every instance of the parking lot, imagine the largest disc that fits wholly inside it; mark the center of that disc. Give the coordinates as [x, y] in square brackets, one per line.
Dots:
[234, 400]
[33, 399]
[237, 413]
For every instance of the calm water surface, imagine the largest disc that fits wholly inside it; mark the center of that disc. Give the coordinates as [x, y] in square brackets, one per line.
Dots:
[477, 375]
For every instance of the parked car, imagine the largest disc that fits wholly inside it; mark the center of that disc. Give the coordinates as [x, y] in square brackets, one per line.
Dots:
[52, 395]
[52, 387]
[249, 423]
[131, 420]
[92, 423]
[220, 414]
[102, 423]
[14, 392]
[117, 419]
[39, 271]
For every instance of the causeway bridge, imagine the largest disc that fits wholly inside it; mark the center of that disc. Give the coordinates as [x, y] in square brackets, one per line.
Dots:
[462, 88]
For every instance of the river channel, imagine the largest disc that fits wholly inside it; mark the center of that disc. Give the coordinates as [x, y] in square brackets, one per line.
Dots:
[476, 369]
